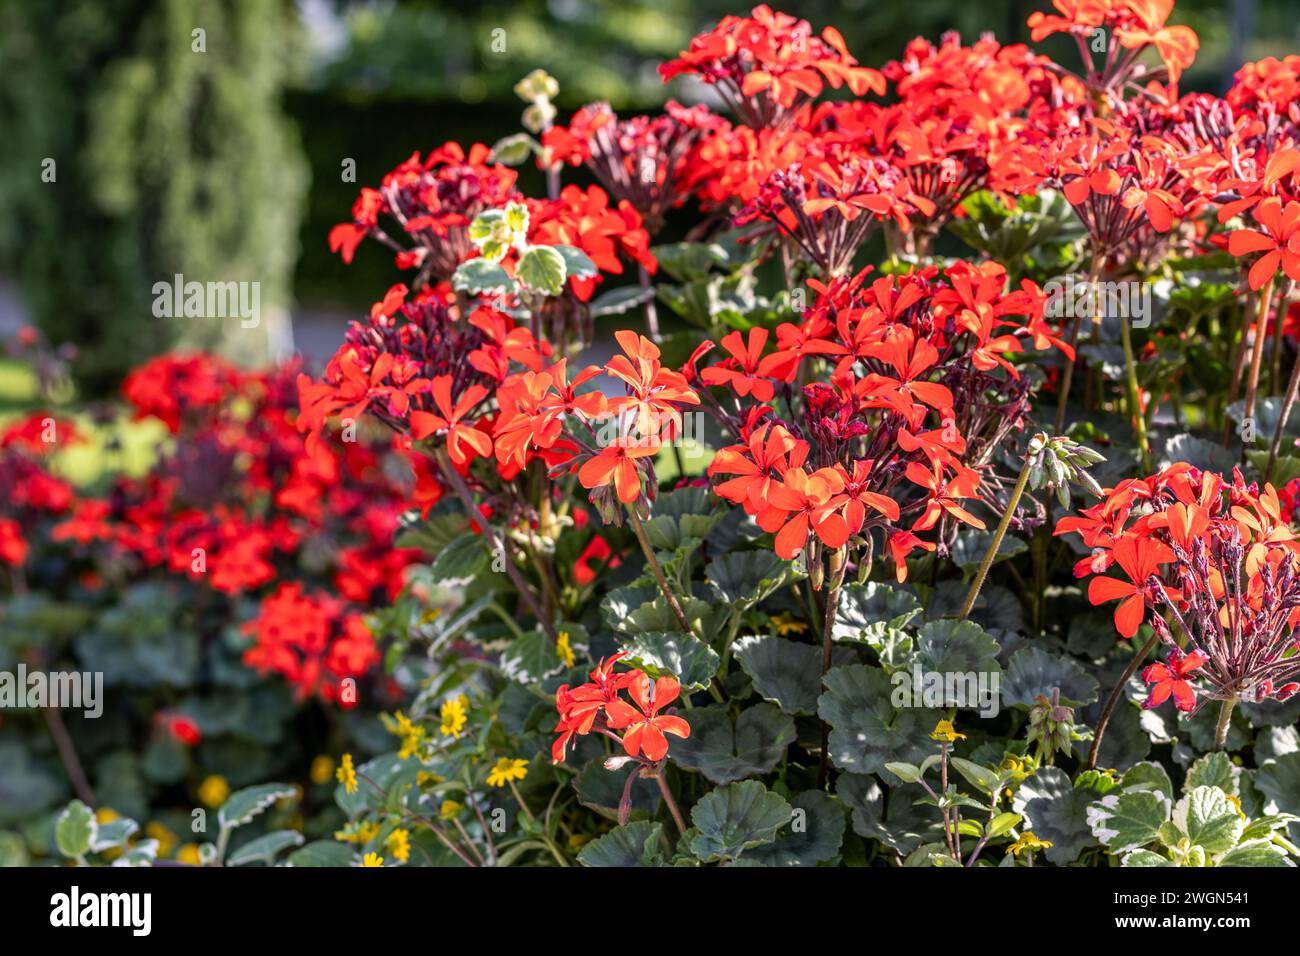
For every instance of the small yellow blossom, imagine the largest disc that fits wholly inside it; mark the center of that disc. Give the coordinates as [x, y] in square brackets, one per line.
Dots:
[167, 840]
[576, 840]
[453, 715]
[399, 845]
[358, 833]
[507, 770]
[188, 854]
[411, 733]
[449, 809]
[1028, 842]
[322, 769]
[943, 730]
[372, 859]
[347, 774]
[214, 790]
[565, 649]
[1236, 805]
[106, 815]
[786, 624]
[425, 779]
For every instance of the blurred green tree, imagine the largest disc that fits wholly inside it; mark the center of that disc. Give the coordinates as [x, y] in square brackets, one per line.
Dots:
[145, 139]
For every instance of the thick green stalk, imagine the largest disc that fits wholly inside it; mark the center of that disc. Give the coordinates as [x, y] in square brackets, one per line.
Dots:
[991, 554]
[1135, 395]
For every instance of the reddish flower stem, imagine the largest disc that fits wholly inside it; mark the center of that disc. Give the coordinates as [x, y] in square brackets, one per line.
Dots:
[668, 799]
[1114, 697]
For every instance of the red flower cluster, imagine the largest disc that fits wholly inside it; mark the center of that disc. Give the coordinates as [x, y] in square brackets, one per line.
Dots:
[904, 424]
[233, 503]
[768, 64]
[1136, 24]
[597, 706]
[1219, 561]
[433, 202]
[642, 160]
[310, 639]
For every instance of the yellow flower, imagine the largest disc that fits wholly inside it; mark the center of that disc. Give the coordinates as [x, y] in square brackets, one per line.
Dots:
[188, 854]
[424, 779]
[347, 774]
[565, 649]
[106, 815]
[322, 769]
[399, 845]
[507, 770]
[372, 859]
[412, 734]
[576, 840]
[357, 833]
[1236, 804]
[449, 809]
[214, 790]
[167, 840]
[943, 731]
[453, 715]
[1028, 842]
[785, 624]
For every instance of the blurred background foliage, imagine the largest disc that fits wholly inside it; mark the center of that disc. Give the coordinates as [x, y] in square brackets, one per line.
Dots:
[229, 165]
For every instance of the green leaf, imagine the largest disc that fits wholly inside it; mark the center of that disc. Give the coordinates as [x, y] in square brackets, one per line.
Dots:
[1033, 671]
[13, 850]
[1148, 776]
[747, 578]
[785, 672]
[619, 301]
[906, 772]
[672, 653]
[264, 849]
[577, 264]
[1208, 820]
[322, 853]
[1145, 858]
[1279, 780]
[735, 818]
[633, 844]
[1212, 770]
[531, 658]
[949, 645]
[1256, 853]
[867, 611]
[866, 730]
[981, 778]
[113, 834]
[1057, 812]
[465, 558]
[1128, 820]
[814, 836]
[724, 752]
[481, 275]
[896, 822]
[242, 805]
[74, 830]
[1002, 823]
[542, 268]
[514, 150]
[1262, 828]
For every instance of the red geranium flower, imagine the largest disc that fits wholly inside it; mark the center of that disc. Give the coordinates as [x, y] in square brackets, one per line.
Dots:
[1171, 680]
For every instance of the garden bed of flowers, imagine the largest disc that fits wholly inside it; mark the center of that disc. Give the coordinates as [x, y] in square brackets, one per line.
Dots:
[934, 508]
